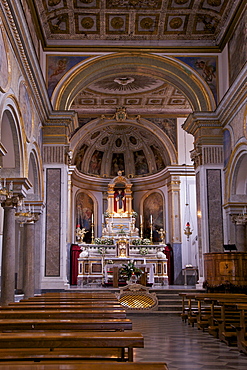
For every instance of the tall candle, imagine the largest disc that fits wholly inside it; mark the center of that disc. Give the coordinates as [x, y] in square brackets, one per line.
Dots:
[103, 220]
[4, 183]
[92, 218]
[141, 219]
[151, 219]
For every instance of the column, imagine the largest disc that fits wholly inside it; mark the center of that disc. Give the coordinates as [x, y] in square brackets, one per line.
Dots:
[28, 258]
[8, 252]
[208, 162]
[240, 224]
[175, 225]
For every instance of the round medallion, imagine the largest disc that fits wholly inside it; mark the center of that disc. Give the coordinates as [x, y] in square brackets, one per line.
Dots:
[146, 23]
[87, 22]
[117, 23]
[176, 23]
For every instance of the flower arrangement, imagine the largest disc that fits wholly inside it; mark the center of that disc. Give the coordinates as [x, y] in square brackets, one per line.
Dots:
[134, 214]
[102, 250]
[130, 269]
[106, 214]
[143, 251]
[107, 241]
[146, 241]
[136, 242]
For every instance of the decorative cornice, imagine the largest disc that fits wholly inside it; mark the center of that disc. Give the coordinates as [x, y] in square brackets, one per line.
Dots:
[21, 42]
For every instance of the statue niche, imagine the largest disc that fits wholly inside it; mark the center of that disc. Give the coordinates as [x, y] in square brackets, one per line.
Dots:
[119, 201]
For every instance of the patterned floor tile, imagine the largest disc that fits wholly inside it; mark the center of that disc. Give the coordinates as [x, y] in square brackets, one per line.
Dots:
[183, 347]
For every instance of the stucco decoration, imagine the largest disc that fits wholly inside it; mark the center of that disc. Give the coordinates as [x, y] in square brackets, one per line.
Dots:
[4, 63]
[26, 109]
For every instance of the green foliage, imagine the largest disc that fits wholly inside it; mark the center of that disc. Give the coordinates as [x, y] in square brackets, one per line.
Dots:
[130, 269]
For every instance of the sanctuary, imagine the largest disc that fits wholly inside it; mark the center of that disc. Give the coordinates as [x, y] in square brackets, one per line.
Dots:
[121, 244]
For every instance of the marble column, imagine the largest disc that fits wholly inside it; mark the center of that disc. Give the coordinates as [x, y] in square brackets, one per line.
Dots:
[8, 252]
[28, 257]
[241, 242]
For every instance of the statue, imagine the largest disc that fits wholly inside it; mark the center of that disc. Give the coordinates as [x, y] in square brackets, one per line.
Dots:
[80, 233]
[162, 233]
[160, 253]
[84, 252]
[119, 198]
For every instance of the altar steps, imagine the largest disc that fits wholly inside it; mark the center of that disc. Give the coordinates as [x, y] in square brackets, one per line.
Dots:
[169, 300]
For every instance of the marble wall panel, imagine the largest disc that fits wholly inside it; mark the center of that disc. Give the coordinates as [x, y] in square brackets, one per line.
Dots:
[53, 221]
[214, 200]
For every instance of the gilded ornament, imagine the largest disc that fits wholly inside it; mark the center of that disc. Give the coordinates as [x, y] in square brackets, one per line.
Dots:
[176, 23]
[87, 22]
[117, 23]
[146, 23]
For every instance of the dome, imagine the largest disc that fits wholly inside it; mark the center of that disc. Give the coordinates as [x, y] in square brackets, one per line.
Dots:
[135, 151]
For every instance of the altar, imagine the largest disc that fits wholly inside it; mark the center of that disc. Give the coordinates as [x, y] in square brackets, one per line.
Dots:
[121, 243]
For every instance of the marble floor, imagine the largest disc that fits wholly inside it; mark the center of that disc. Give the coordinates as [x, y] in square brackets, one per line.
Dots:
[181, 346]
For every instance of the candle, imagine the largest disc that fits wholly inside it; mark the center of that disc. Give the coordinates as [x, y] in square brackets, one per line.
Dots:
[151, 219]
[92, 218]
[4, 183]
[103, 220]
[141, 219]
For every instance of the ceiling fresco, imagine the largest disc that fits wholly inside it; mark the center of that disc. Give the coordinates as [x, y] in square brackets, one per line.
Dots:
[164, 22]
[133, 150]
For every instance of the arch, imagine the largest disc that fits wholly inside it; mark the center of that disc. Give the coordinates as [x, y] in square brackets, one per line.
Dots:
[85, 205]
[12, 139]
[153, 205]
[169, 70]
[33, 175]
[77, 139]
[236, 181]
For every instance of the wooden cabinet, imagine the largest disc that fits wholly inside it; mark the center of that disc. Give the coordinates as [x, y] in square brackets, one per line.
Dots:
[225, 269]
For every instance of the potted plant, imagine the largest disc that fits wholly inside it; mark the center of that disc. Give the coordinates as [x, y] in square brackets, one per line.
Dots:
[129, 269]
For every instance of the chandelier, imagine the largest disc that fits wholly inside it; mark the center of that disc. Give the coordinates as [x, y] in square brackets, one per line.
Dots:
[23, 215]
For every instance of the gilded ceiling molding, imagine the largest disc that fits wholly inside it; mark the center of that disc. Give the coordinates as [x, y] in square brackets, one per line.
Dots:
[169, 70]
[21, 41]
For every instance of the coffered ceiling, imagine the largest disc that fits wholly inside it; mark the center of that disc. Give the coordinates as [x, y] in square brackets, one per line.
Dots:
[135, 23]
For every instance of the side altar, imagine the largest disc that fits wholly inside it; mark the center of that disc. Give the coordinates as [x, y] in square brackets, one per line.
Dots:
[121, 244]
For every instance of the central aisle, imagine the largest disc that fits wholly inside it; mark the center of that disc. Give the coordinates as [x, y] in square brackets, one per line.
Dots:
[167, 338]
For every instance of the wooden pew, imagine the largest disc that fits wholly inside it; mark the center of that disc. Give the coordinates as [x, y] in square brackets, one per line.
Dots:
[229, 320]
[36, 345]
[85, 365]
[65, 325]
[62, 314]
[62, 306]
[242, 328]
